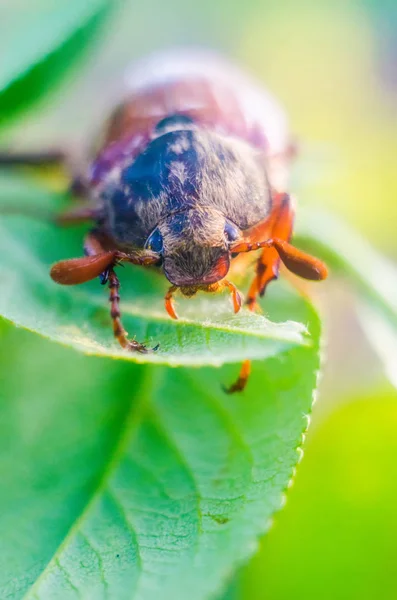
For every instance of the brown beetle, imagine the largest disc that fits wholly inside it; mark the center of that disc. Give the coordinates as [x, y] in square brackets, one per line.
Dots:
[191, 172]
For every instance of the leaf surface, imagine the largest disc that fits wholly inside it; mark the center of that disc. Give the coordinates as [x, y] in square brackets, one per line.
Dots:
[371, 275]
[208, 334]
[137, 481]
[41, 42]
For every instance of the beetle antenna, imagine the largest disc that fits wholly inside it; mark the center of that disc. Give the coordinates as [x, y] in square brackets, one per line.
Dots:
[298, 262]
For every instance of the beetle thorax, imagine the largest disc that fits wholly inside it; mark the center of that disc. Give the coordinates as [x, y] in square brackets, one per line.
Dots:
[181, 170]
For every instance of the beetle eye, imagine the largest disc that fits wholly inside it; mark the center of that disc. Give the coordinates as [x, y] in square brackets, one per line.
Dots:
[231, 232]
[155, 242]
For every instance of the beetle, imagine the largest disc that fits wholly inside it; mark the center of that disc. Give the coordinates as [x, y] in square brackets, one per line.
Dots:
[191, 172]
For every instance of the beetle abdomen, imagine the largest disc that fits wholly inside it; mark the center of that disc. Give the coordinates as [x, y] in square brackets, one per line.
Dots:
[211, 90]
[199, 86]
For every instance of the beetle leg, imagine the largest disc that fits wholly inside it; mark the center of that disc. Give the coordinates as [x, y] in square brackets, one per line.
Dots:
[275, 249]
[81, 270]
[78, 188]
[241, 382]
[77, 214]
[98, 258]
[93, 244]
[71, 216]
[281, 221]
[298, 262]
[169, 304]
[100, 262]
[119, 332]
[236, 296]
[33, 159]
[268, 264]
[51, 158]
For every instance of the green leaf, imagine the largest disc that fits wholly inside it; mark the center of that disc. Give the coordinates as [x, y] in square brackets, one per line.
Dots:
[372, 275]
[123, 480]
[39, 44]
[209, 333]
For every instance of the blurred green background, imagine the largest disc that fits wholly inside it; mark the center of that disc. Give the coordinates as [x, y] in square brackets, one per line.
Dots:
[333, 65]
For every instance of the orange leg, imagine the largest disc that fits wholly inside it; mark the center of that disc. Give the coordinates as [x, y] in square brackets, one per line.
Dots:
[169, 304]
[215, 287]
[236, 296]
[267, 268]
[280, 226]
[275, 249]
[93, 245]
[239, 385]
[295, 260]
[100, 262]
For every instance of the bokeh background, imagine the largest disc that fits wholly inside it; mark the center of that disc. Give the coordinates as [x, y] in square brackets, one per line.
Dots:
[333, 65]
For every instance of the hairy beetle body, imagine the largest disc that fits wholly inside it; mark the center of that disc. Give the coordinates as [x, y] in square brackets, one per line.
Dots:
[191, 171]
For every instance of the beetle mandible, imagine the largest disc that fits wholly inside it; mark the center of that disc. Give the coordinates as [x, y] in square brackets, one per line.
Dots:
[191, 171]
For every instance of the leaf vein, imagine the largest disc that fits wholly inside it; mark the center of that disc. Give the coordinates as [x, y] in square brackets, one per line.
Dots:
[100, 561]
[127, 429]
[67, 577]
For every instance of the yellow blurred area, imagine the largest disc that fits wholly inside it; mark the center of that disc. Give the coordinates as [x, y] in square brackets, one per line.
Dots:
[321, 60]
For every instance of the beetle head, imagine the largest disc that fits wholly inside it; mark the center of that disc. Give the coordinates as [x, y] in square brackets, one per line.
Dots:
[194, 245]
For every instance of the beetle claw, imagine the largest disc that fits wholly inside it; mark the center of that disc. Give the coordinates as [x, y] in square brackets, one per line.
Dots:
[103, 277]
[241, 382]
[134, 346]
